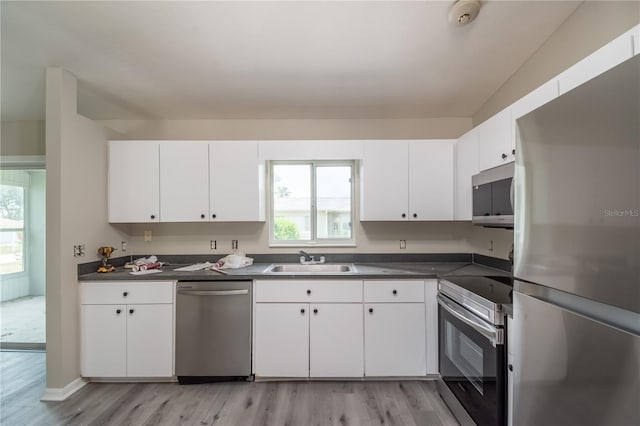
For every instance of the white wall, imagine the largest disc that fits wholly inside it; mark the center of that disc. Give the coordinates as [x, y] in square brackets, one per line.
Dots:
[22, 137]
[591, 26]
[76, 214]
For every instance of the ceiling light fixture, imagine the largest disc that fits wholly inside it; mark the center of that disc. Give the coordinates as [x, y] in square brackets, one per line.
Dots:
[463, 11]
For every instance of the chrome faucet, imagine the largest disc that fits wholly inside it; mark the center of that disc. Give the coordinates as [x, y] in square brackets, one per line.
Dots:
[309, 259]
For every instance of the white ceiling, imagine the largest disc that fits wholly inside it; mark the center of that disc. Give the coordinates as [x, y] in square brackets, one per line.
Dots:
[292, 59]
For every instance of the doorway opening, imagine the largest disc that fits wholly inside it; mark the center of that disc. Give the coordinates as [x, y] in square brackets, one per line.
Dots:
[22, 258]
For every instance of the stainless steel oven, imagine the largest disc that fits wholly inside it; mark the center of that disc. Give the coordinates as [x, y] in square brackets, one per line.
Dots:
[472, 351]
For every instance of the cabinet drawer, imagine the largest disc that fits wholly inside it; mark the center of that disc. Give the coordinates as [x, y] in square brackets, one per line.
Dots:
[394, 291]
[282, 291]
[105, 293]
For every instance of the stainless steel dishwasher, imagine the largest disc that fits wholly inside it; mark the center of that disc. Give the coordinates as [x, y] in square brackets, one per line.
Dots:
[213, 331]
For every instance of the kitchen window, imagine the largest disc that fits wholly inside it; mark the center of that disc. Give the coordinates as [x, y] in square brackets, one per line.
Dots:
[312, 203]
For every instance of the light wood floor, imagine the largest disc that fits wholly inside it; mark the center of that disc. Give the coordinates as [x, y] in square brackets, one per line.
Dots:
[238, 404]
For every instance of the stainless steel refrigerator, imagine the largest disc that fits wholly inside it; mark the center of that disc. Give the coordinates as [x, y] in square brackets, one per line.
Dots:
[577, 256]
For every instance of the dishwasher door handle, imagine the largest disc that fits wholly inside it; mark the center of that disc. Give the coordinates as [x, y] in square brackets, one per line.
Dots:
[212, 292]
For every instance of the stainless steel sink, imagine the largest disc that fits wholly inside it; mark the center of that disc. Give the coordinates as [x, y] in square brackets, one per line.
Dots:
[324, 268]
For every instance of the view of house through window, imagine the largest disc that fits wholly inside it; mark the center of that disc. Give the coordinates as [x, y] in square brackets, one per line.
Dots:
[312, 202]
[11, 229]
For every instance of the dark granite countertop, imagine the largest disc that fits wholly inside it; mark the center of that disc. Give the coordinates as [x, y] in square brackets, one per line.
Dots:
[364, 270]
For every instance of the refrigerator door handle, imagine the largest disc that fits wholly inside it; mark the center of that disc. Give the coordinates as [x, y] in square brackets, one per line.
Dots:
[491, 333]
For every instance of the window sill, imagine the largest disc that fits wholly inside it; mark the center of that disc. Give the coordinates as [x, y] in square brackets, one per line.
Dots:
[311, 245]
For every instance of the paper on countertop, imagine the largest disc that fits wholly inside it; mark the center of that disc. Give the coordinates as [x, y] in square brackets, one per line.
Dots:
[195, 267]
[145, 272]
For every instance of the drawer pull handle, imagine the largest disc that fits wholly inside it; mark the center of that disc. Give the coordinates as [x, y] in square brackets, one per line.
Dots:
[395, 292]
[370, 310]
[302, 311]
[118, 311]
[315, 311]
[125, 294]
[308, 291]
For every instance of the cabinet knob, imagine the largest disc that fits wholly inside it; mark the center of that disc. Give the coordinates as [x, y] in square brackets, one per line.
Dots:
[302, 311]
[202, 216]
[213, 216]
[153, 216]
[404, 215]
[415, 215]
[131, 311]
[315, 311]
[395, 292]
[510, 367]
[513, 151]
[308, 291]
[504, 156]
[125, 294]
[118, 311]
[370, 310]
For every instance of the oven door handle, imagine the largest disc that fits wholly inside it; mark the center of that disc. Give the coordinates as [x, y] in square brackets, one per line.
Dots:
[491, 333]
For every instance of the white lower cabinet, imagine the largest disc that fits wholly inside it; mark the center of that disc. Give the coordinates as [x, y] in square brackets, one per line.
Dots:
[126, 340]
[335, 340]
[316, 331]
[394, 324]
[281, 340]
[394, 341]
[104, 340]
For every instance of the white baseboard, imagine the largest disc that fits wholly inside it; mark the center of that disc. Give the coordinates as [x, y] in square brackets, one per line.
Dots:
[60, 394]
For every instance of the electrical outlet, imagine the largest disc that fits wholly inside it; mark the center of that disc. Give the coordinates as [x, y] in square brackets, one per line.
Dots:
[234, 244]
[403, 244]
[213, 244]
[79, 250]
[123, 245]
[148, 236]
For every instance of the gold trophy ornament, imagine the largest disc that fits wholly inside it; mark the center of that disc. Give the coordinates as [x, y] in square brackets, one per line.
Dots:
[106, 252]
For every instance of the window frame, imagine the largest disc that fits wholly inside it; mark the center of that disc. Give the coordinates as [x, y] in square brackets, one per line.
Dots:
[314, 241]
[25, 215]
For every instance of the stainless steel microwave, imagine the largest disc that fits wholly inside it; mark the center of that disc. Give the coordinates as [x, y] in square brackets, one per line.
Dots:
[493, 197]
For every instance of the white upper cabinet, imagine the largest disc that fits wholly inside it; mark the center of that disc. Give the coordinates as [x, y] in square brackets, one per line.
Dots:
[494, 140]
[431, 180]
[466, 166]
[601, 60]
[236, 182]
[184, 181]
[134, 181]
[384, 181]
[536, 98]
[407, 180]
[635, 35]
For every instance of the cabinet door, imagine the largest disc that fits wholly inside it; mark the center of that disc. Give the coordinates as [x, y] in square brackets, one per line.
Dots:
[466, 166]
[236, 182]
[103, 340]
[184, 181]
[494, 140]
[431, 324]
[535, 99]
[608, 56]
[134, 182]
[281, 340]
[335, 340]
[431, 180]
[394, 339]
[149, 340]
[385, 181]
